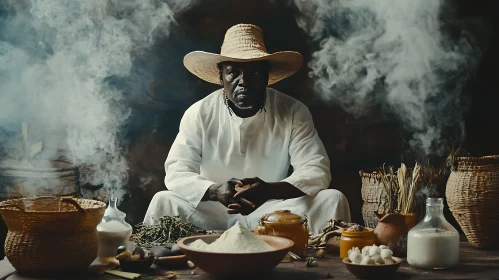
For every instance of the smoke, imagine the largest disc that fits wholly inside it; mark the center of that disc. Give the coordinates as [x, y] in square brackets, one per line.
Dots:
[57, 58]
[394, 55]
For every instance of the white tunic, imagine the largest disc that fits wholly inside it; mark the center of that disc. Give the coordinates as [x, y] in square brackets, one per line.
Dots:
[213, 146]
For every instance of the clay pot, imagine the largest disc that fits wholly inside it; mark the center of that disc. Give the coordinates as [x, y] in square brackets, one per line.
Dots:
[392, 232]
[283, 223]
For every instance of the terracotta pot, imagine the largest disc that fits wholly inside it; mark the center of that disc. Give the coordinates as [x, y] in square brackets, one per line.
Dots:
[392, 232]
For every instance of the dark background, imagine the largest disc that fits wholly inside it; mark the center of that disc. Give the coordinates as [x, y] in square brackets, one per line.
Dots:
[353, 144]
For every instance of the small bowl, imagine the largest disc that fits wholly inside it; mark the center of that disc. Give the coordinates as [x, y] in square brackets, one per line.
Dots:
[136, 266]
[374, 271]
[232, 264]
[172, 261]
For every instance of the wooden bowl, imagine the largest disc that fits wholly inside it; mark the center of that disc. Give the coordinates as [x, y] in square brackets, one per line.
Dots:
[171, 261]
[373, 271]
[136, 266]
[231, 264]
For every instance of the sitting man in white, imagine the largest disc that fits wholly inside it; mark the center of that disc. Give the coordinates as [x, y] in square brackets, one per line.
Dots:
[231, 158]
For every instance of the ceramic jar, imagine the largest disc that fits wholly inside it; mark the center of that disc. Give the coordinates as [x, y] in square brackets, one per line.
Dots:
[360, 239]
[285, 224]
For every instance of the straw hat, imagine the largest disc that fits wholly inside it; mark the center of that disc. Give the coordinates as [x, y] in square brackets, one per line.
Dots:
[243, 43]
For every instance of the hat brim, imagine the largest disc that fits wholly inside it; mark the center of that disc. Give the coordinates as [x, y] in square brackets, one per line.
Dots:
[281, 64]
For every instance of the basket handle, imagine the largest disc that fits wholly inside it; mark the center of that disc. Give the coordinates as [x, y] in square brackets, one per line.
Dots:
[71, 200]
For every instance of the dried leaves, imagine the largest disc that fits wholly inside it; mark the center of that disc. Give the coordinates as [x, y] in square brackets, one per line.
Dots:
[165, 230]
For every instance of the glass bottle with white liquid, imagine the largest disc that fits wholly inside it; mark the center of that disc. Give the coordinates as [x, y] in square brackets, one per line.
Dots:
[113, 231]
[434, 242]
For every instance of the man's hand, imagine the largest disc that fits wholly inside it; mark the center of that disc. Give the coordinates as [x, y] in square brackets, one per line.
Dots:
[224, 193]
[250, 195]
[258, 192]
[253, 189]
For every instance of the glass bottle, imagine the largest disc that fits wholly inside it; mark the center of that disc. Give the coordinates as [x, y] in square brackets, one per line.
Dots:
[434, 242]
[113, 231]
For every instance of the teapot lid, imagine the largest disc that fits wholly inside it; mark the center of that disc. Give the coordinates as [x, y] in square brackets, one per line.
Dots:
[283, 217]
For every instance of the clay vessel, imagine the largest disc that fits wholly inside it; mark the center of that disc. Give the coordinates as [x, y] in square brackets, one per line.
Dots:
[283, 223]
[392, 232]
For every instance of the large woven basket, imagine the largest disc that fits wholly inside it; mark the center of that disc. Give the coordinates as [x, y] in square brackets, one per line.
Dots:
[51, 235]
[472, 195]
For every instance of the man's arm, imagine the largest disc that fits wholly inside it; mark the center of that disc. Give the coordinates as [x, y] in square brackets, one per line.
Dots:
[307, 153]
[182, 165]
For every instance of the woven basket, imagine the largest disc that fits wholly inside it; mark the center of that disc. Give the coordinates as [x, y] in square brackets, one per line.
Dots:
[472, 194]
[51, 235]
[374, 197]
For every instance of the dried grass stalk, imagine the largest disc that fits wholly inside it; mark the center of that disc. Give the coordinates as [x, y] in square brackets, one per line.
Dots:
[402, 187]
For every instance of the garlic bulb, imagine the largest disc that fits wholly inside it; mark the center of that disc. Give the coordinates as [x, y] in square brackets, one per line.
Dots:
[365, 250]
[381, 247]
[389, 261]
[366, 260]
[374, 250]
[355, 257]
[378, 259]
[353, 249]
[386, 253]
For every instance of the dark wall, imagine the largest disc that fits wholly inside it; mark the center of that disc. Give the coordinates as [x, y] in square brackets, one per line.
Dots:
[352, 144]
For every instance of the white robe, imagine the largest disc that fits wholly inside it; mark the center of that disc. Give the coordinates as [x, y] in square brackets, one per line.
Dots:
[213, 146]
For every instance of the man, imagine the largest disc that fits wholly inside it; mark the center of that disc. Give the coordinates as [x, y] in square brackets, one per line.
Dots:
[232, 154]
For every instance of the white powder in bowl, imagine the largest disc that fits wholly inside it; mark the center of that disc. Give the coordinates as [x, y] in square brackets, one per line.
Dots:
[237, 239]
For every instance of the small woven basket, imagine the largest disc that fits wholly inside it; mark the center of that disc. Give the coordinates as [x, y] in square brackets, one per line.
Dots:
[51, 235]
[472, 195]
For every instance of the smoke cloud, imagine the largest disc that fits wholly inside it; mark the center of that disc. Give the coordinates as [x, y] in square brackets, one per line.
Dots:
[57, 58]
[394, 55]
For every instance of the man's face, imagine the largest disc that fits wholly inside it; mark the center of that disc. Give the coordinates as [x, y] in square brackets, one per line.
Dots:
[245, 83]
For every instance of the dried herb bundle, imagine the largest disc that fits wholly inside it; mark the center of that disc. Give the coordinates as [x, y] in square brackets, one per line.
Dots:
[402, 187]
[408, 185]
[165, 230]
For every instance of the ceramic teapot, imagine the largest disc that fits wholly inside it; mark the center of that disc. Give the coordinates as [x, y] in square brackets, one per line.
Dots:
[285, 224]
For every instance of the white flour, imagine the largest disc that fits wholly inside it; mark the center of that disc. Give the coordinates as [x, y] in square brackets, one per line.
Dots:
[237, 239]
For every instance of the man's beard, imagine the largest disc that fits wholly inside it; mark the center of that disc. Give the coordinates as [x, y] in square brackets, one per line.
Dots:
[230, 104]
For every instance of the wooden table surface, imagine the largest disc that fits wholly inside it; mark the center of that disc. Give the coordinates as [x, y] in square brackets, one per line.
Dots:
[474, 264]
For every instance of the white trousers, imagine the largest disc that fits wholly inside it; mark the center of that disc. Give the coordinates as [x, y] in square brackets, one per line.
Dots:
[326, 204]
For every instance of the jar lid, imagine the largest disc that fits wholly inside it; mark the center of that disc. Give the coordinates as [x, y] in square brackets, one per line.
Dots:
[283, 217]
